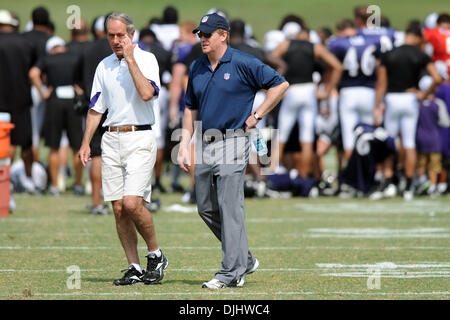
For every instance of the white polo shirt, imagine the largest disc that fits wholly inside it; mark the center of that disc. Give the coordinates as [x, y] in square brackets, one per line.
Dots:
[113, 89]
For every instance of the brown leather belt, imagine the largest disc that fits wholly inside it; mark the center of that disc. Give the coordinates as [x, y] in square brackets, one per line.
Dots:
[130, 128]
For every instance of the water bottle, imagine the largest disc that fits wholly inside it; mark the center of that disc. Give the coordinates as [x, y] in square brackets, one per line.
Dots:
[258, 141]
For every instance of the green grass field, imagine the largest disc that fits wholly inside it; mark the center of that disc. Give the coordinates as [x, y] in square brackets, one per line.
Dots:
[324, 248]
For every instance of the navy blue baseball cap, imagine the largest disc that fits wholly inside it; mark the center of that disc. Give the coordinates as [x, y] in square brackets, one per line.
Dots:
[211, 22]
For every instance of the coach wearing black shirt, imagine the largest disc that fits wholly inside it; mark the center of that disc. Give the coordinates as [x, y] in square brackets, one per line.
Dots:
[90, 58]
[15, 96]
[39, 35]
[62, 70]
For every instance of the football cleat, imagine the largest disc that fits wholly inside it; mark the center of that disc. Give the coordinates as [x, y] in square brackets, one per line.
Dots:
[131, 276]
[155, 269]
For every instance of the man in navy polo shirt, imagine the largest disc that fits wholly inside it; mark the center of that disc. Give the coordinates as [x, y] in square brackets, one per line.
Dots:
[221, 89]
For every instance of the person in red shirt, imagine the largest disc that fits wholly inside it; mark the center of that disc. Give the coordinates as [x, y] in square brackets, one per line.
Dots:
[439, 38]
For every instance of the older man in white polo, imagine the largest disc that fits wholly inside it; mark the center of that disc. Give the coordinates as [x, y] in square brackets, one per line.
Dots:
[127, 84]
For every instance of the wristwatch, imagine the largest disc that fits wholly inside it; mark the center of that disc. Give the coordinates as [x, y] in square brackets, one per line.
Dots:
[257, 117]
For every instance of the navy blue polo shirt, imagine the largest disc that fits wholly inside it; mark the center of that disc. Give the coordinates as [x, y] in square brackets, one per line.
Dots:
[224, 97]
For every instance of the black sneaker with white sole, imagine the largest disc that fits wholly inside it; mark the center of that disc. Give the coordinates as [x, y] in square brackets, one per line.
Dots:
[155, 269]
[131, 276]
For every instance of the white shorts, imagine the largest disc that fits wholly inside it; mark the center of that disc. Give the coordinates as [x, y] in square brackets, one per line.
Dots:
[401, 115]
[325, 126]
[163, 117]
[355, 105]
[128, 159]
[299, 104]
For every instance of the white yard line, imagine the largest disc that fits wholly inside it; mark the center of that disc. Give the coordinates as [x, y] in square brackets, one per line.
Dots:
[385, 265]
[218, 248]
[377, 233]
[227, 292]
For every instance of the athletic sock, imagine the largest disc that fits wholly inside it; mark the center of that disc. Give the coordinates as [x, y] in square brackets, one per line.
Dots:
[137, 267]
[442, 187]
[156, 252]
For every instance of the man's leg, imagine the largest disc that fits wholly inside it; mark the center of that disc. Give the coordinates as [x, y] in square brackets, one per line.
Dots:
[235, 250]
[53, 165]
[307, 154]
[133, 207]
[208, 208]
[126, 231]
[206, 191]
[127, 234]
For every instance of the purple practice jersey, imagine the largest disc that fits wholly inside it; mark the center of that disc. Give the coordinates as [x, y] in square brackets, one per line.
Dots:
[443, 93]
[386, 36]
[428, 138]
[290, 181]
[372, 146]
[358, 55]
[180, 51]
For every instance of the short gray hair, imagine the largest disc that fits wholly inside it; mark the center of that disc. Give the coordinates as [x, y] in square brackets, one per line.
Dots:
[123, 17]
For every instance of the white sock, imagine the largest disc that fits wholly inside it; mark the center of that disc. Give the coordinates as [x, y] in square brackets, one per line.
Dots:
[157, 252]
[432, 188]
[137, 267]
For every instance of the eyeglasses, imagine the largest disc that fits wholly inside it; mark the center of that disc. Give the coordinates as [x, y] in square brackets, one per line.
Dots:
[206, 35]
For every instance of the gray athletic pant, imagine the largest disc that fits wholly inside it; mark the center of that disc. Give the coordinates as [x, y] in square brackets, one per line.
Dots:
[219, 191]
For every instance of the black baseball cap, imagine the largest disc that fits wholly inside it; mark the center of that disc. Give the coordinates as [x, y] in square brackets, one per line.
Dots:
[211, 22]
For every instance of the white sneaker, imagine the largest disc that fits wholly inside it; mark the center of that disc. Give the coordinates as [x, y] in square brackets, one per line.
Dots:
[347, 192]
[261, 189]
[214, 284]
[241, 281]
[28, 184]
[313, 193]
[408, 195]
[390, 191]
[253, 268]
[377, 195]
[54, 191]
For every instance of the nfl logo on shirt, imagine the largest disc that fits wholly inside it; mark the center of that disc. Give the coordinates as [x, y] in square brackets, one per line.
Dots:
[226, 76]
